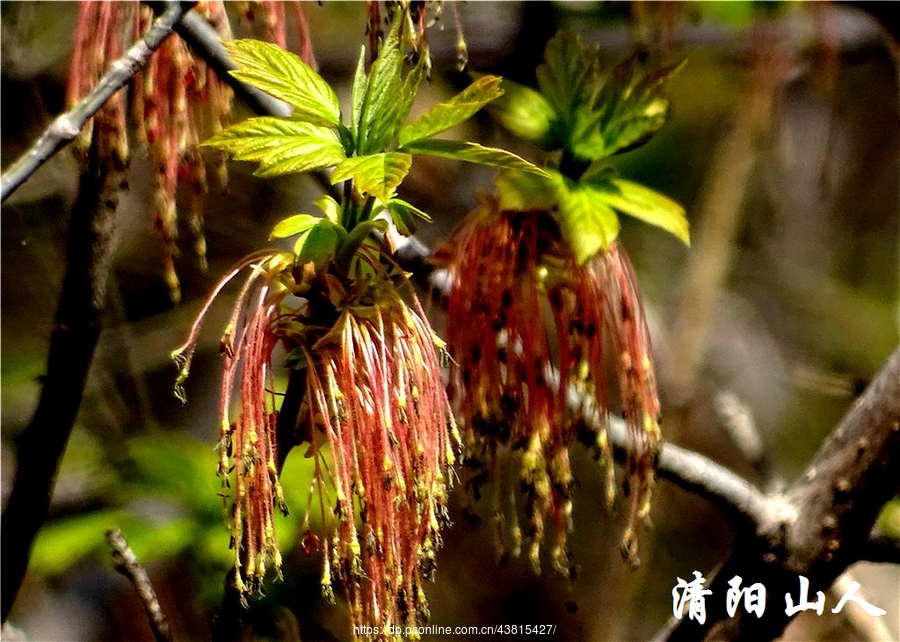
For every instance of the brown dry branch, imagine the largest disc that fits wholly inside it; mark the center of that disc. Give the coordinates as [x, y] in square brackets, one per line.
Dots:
[821, 524]
[130, 566]
[78, 315]
[72, 342]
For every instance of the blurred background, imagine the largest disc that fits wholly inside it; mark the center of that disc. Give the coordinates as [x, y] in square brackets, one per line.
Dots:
[783, 147]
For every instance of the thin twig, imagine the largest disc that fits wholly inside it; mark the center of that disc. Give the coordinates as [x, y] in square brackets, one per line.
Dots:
[65, 128]
[128, 565]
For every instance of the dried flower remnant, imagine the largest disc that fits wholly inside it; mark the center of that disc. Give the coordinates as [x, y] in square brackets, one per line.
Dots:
[172, 105]
[528, 330]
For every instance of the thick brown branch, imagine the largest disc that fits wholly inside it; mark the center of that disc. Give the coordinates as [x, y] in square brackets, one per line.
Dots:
[825, 522]
[66, 127]
[72, 342]
[128, 565]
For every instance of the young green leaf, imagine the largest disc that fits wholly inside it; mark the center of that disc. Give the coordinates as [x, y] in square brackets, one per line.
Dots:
[404, 216]
[565, 76]
[281, 146]
[319, 243]
[458, 109]
[358, 235]
[286, 77]
[472, 153]
[296, 224]
[525, 191]
[330, 207]
[630, 108]
[647, 205]
[388, 97]
[375, 174]
[526, 113]
[358, 93]
[587, 222]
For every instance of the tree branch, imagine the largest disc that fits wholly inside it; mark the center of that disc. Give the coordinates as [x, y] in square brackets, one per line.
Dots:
[66, 127]
[128, 565]
[741, 500]
[77, 324]
[72, 341]
[826, 518]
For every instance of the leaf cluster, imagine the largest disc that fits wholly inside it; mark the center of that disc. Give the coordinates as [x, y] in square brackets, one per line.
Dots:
[371, 152]
[585, 117]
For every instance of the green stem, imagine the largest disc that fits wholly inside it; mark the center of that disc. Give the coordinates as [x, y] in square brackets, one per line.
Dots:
[571, 167]
[367, 208]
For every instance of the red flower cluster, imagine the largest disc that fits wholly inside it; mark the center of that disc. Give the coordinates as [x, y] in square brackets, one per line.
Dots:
[173, 104]
[379, 399]
[375, 413]
[248, 446]
[529, 329]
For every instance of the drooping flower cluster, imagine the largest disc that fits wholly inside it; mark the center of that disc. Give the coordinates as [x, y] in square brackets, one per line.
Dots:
[377, 419]
[529, 329]
[248, 448]
[175, 102]
[379, 399]
[365, 388]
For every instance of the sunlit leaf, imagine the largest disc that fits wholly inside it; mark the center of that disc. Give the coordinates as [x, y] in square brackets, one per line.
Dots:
[358, 92]
[649, 206]
[472, 153]
[286, 77]
[404, 216]
[388, 97]
[292, 225]
[587, 222]
[280, 146]
[375, 174]
[330, 207]
[525, 113]
[525, 191]
[450, 113]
